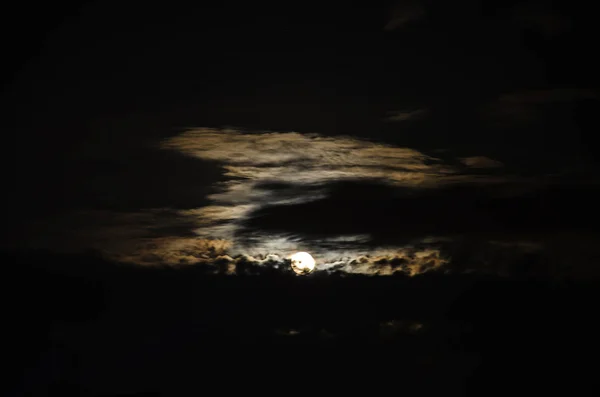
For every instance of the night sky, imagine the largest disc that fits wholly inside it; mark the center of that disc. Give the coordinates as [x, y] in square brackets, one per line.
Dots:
[161, 162]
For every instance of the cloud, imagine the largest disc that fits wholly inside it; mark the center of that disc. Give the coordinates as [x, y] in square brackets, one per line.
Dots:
[393, 328]
[405, 261]
[481, 162]
[402, 115]
[178, 252]
[308, 157]
[397, 217]
[159, 238]
[105, 228]
[291, 168]
[285, 170]
[358, 206]
[404, 12]
[146, 237]
[282, 185]
[174, 251]
[391, 214]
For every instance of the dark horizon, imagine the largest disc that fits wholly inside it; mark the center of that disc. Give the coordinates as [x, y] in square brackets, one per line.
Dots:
[459, 334]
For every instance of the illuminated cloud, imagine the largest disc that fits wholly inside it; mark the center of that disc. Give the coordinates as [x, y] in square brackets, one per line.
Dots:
[174, 251]
[287, 168]
[406, 261]
[282, 169]
[263, 208]
[146, 237]
[279, 170]
[310, 157]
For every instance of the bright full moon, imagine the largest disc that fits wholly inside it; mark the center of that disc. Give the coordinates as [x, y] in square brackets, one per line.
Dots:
[302, 263]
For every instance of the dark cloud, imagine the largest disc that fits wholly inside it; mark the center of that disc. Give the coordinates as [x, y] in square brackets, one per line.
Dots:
[541, 18]
[357, 208]
[403, 12]
[481, 162]
[489, 228]
[405, 115]
[524, 107]
[101, 178]
[144, 179]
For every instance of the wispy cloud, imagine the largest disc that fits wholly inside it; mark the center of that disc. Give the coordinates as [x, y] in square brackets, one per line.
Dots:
[292, 168]
[405, 115]
[407, 261]
[380, 228]
[215, 255]
[288, 168]
[252, 159]
[481, 162]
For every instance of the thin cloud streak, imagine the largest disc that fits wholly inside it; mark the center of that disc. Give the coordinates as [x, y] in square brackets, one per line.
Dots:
[404, 12]
[406, 115]
[481, 162]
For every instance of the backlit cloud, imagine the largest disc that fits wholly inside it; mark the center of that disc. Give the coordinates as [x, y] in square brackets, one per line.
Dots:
[282, 169]
[358, 206]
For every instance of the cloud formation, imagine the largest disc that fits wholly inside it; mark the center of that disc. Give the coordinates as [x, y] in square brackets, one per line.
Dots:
[357, 206]
[405, 261]
[308, 158]
[287, 169]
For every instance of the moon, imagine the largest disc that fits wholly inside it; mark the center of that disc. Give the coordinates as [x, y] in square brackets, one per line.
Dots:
[302, 263]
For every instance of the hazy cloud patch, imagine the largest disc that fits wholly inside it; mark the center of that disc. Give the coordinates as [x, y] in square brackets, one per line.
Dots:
[404, 12]
[405, 115]
[481, 162]
[541, 18]
[525, 106]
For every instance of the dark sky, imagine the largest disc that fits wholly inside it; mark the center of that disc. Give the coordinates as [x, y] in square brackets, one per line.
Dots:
[161, 162]
[345, 130]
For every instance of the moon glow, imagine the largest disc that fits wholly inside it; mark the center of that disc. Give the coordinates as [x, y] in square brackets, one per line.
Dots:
[302, 263]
